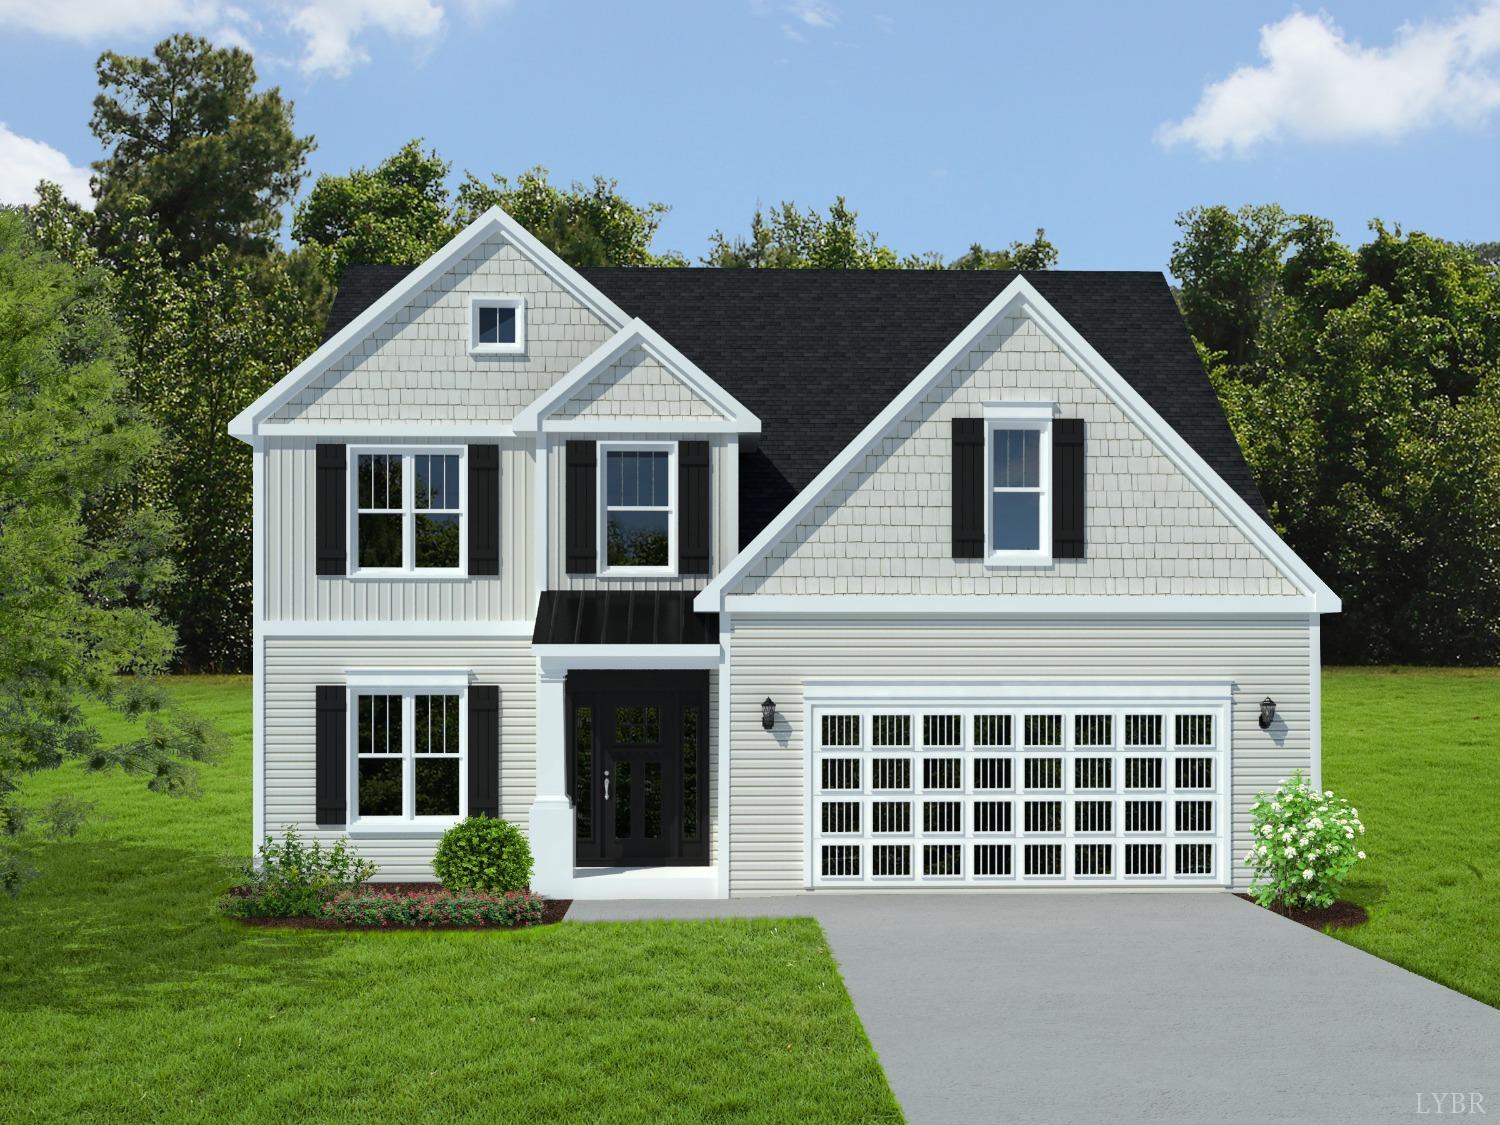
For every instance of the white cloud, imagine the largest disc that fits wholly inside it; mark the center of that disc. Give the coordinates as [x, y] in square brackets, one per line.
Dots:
[23, 162]
[1317, 85]
[95, 19]
[813, 13]
[332, 29]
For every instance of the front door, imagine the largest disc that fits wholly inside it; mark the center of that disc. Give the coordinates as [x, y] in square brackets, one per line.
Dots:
[639, 761]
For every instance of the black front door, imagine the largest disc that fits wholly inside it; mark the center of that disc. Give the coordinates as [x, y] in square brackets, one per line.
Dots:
[638, 756]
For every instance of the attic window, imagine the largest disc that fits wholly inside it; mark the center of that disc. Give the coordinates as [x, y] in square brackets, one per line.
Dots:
[497, 325]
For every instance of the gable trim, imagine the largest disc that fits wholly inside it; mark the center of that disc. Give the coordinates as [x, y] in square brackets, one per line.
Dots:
[1021, 296]
[734, 417]
[248, 422]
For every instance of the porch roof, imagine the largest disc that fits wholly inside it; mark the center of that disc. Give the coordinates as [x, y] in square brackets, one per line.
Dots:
[622, 617]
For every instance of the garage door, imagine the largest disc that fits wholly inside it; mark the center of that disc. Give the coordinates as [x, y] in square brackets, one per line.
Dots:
[944, 795]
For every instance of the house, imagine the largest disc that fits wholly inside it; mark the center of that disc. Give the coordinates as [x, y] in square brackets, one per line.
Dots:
[744, 582]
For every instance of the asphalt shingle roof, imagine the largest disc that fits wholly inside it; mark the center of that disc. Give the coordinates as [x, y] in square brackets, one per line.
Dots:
[816, 354]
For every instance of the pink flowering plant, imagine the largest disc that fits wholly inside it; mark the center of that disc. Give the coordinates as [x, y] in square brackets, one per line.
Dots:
[376, 908]
[1305, 844]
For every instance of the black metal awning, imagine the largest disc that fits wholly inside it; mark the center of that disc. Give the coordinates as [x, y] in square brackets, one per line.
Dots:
[622, 617]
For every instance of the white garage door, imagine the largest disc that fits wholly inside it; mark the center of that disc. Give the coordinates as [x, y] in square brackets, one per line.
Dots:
[938, 795]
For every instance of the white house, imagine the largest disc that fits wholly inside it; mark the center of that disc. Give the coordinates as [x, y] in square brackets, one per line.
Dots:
[735, 582]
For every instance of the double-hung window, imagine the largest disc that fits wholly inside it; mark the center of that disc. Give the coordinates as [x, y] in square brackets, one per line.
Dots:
[408, 510]
[408, 751]
[1018, 515]
[638, 513]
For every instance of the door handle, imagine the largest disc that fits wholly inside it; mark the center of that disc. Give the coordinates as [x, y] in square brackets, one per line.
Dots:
[606, 785]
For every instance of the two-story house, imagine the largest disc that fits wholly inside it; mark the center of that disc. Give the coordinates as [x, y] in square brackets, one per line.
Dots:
[733, 582]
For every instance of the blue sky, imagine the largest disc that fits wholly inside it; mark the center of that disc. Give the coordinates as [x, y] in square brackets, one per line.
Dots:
[942, 124]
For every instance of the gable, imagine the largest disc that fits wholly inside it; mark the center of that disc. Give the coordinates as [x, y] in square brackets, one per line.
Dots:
[416, 365]
[636, 385]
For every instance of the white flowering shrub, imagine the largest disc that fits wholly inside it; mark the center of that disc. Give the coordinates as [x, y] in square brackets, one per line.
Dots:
[1306, 843]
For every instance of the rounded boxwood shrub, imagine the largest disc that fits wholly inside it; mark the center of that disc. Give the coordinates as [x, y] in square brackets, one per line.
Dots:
[483, 854]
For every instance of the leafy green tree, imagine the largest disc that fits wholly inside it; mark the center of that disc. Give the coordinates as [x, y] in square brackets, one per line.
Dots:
[185, 128]
[1363, 386]
[72, 620]
[790, 238]
[397, 213]
[585, 225]
[1038, 254]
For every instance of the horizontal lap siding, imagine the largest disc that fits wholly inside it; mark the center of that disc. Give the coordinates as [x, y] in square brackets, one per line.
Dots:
[774, 656]
[295, 592]
[294, 668]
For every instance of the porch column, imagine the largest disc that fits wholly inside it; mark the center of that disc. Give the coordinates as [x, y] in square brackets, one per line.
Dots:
[551, 827]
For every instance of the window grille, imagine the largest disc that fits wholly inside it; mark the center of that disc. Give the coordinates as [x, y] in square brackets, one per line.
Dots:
[991, 816]
[1093, 816]
[840, 860]
[1195, 730]
[1093, 859]
[840, 816]
[942, 816]
[992, 859]
[890, 816]
[1093, 730]
[1142, 730]
[1195, 859]
[890, 859]
[890, 730]
[942, 730]
[1044, 730]
[991, 730]
[890, 773]
[840, 730]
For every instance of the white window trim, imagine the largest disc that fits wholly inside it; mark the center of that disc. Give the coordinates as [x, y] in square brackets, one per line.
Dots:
[497, 301]
[602, 526]
[1019, 416]
[408, 568]
[412, 686]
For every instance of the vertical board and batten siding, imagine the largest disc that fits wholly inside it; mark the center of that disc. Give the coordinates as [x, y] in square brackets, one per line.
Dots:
[296, 667]
[416, 366]
[774, 656]
[887, 526]
[723, 540]
[295, 592]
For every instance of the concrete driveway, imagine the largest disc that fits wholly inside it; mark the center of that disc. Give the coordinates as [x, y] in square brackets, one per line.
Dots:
[1133, 1007]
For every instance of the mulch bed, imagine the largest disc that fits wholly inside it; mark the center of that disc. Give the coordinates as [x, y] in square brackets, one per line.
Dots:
[553, 910]
[1338, 916]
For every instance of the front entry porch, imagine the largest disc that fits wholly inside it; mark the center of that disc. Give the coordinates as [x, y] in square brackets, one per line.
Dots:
[626, 743]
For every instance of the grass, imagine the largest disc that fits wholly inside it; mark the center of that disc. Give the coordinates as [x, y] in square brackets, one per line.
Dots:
[123, 996]
[1417, 750]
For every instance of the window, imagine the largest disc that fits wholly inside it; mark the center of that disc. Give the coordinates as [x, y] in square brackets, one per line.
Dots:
[497, 325]
[1019, 475]
[408, 511]
[640, 495]
[409, 754]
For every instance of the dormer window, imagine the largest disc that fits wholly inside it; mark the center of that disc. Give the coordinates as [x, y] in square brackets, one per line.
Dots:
[497, 325]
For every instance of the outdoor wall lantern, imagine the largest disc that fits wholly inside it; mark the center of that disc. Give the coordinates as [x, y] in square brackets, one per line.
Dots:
[1267, 712]
[768, 713]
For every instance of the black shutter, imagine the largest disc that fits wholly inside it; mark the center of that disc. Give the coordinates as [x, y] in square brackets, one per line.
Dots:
[332, 762]
[582, 515]
[694, 511]
[332, 490]
[968, 488]
[484, 509]
[484, 750]
[1067, 488]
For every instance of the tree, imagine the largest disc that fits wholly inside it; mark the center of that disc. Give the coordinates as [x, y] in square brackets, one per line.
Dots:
[584, 225]
[397, 213]
[1363, 386]
[72, 618]
[1038, 254]
[215, 160]
[789, 238]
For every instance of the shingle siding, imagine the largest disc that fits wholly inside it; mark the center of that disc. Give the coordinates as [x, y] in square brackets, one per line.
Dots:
[635, 386]
[417, 366]
[887, 529]
[775, 656]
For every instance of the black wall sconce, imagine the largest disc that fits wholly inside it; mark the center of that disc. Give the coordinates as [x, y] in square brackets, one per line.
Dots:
[1267, 712]
[768, 713]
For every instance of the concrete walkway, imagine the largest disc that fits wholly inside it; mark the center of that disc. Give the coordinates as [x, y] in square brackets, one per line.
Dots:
[1123, 1008]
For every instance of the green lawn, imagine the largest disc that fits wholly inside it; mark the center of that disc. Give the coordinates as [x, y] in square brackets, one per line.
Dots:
[1417, 750]
[123, 996]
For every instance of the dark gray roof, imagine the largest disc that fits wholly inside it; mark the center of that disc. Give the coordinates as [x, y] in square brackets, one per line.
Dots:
[816, 354]
[622, 617]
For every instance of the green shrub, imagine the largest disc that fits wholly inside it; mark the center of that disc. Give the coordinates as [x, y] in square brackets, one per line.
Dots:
[434, 908]
[1305, 845]
[483, 854]
[293, 879]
